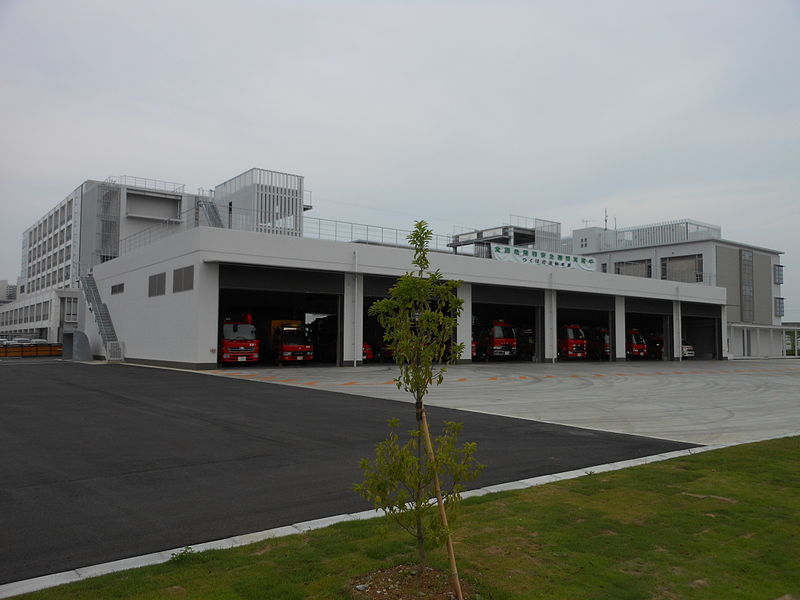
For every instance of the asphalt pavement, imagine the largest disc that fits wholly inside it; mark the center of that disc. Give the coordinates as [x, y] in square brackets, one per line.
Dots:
[102, 462]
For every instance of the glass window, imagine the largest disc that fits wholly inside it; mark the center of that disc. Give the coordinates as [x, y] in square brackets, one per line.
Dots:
[748, 306]
[778, 273]
[157, 285]
[779, 307]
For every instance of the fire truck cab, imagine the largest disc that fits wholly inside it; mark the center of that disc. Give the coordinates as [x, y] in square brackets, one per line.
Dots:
[238, 340]
[635, 344]
[571, 342]
[497, 341]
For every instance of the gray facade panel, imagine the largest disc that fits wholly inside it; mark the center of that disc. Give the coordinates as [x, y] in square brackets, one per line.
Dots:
[728, 276]
[762, 289]
[236, 277]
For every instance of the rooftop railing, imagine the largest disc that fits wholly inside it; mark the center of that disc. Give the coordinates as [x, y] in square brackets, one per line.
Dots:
[147, 184]
[312, 227]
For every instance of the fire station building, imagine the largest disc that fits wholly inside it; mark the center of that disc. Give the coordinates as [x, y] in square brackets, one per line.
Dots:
[181, 263]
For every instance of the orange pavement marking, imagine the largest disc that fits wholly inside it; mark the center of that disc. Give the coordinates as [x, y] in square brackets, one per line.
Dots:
[462, 379]
[247, 376]
[573, 375]
[622, 374]
[523, 377]
[268, 377]
[599, 375]
[286, 380]
[492, 378]
[351, 383]
[388, 382]
[310, 383]
[551, 376]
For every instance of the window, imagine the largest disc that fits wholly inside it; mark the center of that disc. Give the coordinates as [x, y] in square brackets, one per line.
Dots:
[779, 307]
[70, 307]
[183, 279]
[746, 268]
[117, 289]
[777, 271]
[157, 285]
[604, 267]
[634, 268]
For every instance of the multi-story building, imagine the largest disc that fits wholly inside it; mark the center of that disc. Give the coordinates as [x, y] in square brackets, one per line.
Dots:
[692, 251]
[81, 231]
[8, 291]
[100, 219]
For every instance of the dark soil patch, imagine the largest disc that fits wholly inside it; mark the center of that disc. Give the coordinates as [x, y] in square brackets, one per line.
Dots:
[404, 583]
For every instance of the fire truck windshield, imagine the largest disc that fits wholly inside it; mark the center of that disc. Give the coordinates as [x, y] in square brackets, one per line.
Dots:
[296, 337]
[635, 338]
[238, 331]
[575, 333]
[503, 331]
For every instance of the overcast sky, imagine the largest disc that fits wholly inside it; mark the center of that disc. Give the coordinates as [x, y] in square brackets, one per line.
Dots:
[461, 113]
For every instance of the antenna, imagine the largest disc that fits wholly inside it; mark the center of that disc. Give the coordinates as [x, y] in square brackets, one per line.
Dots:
[586, 222]
[605, 220]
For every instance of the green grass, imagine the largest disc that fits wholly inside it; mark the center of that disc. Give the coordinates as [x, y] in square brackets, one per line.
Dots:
[715, 525]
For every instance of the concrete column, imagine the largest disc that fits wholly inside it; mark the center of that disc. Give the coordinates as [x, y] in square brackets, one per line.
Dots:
[353, 320]
[464, 327]
[677, 330]
[207, 315]
[619, 327]
[550, 326]
[723, 328]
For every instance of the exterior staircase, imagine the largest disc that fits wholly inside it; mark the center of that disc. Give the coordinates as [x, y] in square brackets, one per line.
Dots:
[211, 212]
[102, 318]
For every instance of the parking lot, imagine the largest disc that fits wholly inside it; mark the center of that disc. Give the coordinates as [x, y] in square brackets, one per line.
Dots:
[702, 402]
[101, 462]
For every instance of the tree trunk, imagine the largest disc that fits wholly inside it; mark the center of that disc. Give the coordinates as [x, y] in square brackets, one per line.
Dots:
[419, 499]
[442, 514]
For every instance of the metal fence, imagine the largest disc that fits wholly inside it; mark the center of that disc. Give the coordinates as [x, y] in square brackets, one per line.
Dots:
[315, 228]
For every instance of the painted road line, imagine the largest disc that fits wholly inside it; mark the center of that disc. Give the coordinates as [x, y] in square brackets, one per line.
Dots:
[310, 383]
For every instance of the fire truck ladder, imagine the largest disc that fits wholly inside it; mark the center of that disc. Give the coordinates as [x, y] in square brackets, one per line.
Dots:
[102, 317]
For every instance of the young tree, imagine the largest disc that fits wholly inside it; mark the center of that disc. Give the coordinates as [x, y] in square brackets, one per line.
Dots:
[400, 483]
[419, 318]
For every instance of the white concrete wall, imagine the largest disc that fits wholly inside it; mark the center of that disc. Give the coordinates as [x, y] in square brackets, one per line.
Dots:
[765, 342]
[176, 327]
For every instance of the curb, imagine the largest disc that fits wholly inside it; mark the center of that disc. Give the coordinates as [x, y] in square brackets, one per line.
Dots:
[47, 581]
